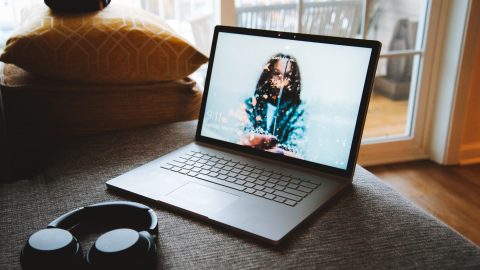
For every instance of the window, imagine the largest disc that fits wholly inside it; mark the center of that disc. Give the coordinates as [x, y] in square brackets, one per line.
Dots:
[399, 25]
[394, 23]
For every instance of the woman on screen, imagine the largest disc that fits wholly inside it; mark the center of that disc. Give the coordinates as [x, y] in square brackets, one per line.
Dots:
[275, 114]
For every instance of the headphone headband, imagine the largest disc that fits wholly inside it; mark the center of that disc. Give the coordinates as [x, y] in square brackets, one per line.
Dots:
[120, 213]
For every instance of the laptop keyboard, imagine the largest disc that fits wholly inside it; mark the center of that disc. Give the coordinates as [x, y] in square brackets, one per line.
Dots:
[274, 186]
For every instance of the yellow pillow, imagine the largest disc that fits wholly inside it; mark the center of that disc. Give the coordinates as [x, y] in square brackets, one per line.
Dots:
[116, 45]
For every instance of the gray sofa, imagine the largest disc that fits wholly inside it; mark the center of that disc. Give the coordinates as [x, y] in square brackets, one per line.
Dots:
[369, 226]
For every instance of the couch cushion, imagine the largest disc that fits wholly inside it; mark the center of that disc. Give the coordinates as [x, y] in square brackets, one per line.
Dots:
[116, 45]
[40, 109]
[369, 226]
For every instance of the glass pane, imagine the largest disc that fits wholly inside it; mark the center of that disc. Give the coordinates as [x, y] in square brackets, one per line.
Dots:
[10, 17]
[389, 111]
[321, 17]
[267, 14]
[395, 23]
[398, 25]
[333, 18]
[194, 21]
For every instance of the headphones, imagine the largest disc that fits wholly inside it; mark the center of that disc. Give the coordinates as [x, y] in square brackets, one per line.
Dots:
[131, 246]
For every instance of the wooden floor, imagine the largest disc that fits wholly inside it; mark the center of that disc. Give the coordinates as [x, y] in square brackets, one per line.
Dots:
[385, 117]
[450, 193]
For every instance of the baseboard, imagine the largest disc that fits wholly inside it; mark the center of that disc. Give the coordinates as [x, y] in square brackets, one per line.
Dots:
[470, 153]
[379, 154]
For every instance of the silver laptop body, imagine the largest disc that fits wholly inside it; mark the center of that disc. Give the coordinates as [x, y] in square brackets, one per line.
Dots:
[278, 133]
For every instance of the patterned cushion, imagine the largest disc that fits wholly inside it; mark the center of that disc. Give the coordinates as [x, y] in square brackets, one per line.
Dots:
[116, 45]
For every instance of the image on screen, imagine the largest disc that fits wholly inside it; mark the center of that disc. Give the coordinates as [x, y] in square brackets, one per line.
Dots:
[289, 97]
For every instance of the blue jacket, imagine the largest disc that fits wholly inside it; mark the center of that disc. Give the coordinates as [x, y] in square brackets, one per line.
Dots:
[290, 127]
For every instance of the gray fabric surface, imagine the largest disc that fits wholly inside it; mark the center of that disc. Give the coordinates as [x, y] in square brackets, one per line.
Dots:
[368, 226]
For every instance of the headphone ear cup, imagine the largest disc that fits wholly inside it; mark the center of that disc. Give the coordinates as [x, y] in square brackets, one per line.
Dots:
[152, 250]
[122, 249]
[51, 248]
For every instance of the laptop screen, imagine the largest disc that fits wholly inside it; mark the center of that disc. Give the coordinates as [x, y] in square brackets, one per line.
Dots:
[287, 96]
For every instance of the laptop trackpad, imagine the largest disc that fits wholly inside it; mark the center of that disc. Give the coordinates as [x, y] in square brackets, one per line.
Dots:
[200, 197]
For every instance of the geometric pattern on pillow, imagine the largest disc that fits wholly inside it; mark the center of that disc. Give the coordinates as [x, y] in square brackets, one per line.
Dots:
[118, 44]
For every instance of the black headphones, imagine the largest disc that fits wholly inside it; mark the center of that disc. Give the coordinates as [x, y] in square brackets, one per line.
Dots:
[131, 246]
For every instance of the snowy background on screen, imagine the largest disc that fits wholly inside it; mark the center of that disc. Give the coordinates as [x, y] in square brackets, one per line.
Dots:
[332, 78]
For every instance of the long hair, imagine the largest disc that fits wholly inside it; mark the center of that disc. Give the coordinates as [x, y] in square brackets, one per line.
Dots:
[291, 92]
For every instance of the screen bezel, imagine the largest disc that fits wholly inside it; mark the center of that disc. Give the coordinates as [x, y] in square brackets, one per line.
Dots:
[362, 112]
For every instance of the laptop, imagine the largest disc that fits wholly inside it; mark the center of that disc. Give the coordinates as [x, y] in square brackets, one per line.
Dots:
[278, 133]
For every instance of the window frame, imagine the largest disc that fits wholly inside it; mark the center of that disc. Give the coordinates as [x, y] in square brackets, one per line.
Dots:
[438, 88]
